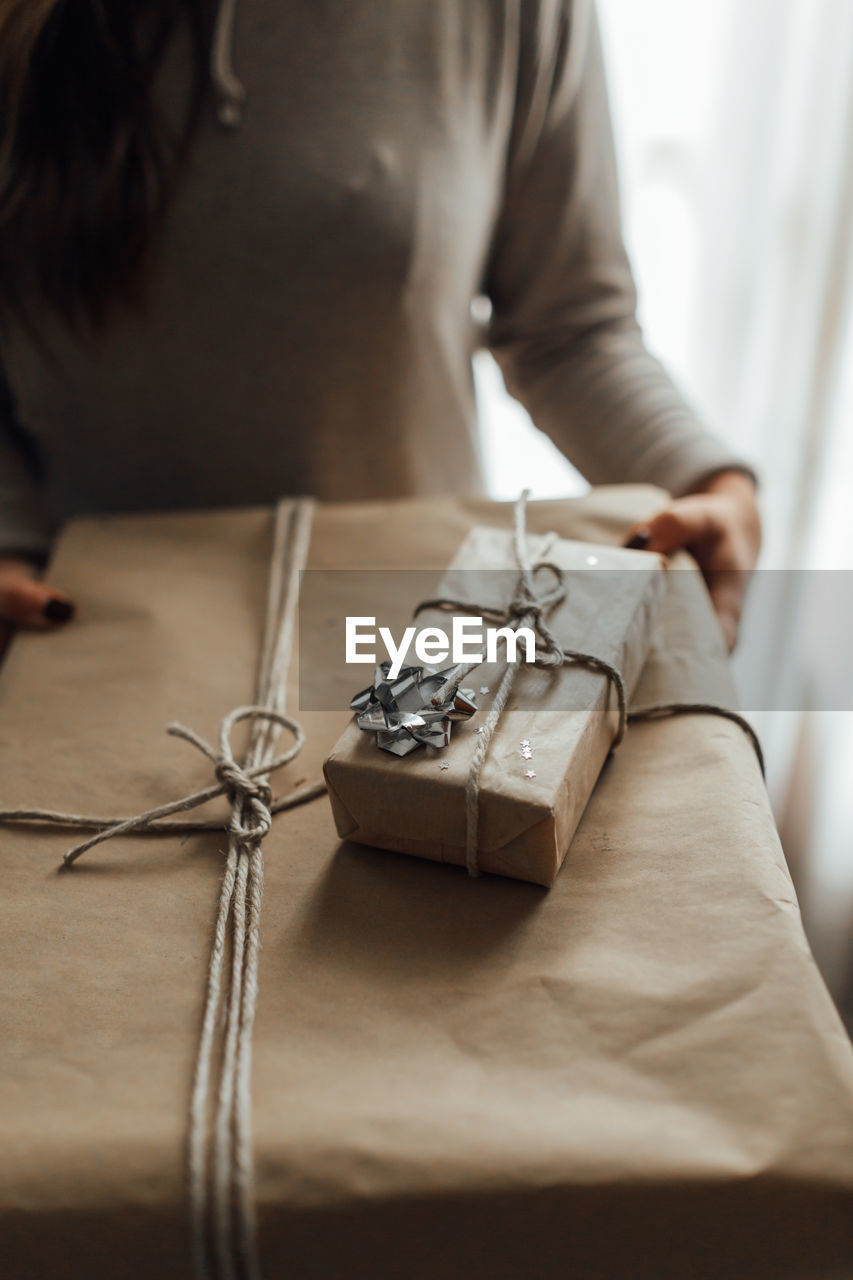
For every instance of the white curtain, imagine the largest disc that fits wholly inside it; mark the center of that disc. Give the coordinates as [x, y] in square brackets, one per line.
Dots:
[734, 127]
[773, 348]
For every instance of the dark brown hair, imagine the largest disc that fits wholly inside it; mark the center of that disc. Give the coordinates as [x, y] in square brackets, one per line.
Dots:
[87, 163]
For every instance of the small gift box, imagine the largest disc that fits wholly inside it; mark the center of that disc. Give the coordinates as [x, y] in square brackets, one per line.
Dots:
[523, 774]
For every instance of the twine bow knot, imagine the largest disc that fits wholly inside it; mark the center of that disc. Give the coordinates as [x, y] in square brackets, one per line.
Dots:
[240, 787]
[529, 608]
[247, 787]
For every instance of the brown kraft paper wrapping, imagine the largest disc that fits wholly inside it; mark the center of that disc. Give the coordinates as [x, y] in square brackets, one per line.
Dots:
[638, 1074]
[570, 718]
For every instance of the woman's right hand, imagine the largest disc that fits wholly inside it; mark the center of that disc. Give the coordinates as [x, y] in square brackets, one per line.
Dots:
[26, 601]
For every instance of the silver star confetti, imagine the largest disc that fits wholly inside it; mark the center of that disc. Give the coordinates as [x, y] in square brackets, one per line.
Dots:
[401, 713]
[443, 764]
[530, 774]
[484, 689]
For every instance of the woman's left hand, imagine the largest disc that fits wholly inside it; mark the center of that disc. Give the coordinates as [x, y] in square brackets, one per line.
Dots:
[720, 526]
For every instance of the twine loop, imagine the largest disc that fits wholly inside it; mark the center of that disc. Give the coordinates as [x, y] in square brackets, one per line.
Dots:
[247, 787]
[529, 607]
[248, 790]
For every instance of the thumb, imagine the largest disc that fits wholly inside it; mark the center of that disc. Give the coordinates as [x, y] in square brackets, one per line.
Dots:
[682, 524]
[727, 591]
[27, 602]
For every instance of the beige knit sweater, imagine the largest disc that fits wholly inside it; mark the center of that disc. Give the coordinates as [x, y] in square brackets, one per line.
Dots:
[309, 322]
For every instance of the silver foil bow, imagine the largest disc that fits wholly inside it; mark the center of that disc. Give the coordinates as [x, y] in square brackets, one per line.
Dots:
[402, 713]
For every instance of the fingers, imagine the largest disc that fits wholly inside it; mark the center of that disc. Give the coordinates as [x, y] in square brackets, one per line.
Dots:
[718, 531]
[727, 591]
[27, 602]
[684, 523]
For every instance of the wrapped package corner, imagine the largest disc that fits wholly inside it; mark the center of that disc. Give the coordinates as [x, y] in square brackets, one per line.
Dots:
[638, 1075]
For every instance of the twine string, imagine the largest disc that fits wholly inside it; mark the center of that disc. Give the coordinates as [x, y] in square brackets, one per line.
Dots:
[529, 607]
[219, 1147]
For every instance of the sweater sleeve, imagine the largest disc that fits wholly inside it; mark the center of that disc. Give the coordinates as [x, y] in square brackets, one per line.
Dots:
[24, 527]
[564, 328]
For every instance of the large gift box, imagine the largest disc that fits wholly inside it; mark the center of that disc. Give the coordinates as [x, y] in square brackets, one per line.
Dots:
[636, 1074]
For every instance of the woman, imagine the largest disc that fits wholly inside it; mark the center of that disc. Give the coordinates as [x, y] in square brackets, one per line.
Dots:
[211, 294]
